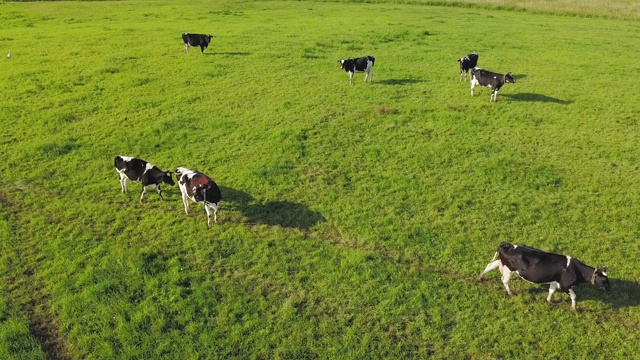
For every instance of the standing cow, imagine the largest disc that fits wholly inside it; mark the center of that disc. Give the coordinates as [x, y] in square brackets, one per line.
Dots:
[199, 188]
[561, 272]
[194, 40]
[139, 170]
[467, 63]
[363, 64]
[489, 79]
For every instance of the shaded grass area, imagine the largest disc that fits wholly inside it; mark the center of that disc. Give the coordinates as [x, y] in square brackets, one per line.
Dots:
[355, 219]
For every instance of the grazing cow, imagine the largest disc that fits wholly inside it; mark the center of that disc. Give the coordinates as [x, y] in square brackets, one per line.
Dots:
[139, 170]
[199, 188]
[467, 63]
[194, 40]
[363, 64]
[539, 267]
[489, 79]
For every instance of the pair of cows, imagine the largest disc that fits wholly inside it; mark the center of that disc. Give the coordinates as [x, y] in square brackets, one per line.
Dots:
[482, 77]
[194, 185]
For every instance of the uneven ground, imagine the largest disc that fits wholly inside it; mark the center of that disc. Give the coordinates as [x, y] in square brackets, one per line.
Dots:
[355, 219]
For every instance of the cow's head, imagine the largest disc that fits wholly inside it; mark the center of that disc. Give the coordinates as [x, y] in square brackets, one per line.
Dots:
[341, 61]
[167, 179]
[509, 78]
[181, 171]
[601, 279]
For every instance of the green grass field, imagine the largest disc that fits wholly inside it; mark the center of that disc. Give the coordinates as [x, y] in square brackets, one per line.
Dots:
[355, 219]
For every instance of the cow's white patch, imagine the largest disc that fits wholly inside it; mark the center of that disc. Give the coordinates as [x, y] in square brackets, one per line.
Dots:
[568, 260]
[148, 167]
[506, 276]
[604, 274]
[553, 286]
[573, 297]
[126, 158]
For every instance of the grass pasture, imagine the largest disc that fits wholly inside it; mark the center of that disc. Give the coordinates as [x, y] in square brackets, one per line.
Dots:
[355, 219]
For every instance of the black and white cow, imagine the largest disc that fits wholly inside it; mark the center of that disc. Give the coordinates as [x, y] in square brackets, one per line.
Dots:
[139, 170]
[559, 271]
[199, 188]
[363, 64]
[194, 40]
[467, 63]
[489, 79]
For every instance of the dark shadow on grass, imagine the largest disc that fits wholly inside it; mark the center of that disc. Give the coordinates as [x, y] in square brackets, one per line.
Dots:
[228, 53]
[400, 81]
[536, 97]
[623, 294]
[281, 213]
[519, 76]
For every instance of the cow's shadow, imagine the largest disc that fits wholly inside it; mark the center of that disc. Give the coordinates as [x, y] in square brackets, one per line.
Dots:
[623, 293]
[536, 97]
[399, 81]
[281, 213]
[232, 53]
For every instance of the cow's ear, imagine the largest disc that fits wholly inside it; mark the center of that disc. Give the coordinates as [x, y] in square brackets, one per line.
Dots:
[168, 173]
[604, 269]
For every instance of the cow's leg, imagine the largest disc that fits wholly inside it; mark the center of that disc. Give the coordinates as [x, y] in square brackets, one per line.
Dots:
[350, 78]
[552, 288]
[123, 182]
[185, 202]
[186, 48]
[494, 96]
[215, 212]
[208, 211]
[506, 276]
[474, 82]
[202, 49]
[573, 297]
[366, 76]
[159, 192]
[144, 189]
[492, 265]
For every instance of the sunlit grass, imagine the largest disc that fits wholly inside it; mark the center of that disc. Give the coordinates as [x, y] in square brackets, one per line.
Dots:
[616, 9]
[355, 218]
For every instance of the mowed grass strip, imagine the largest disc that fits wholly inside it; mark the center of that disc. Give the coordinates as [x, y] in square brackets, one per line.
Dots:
[355, 219]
